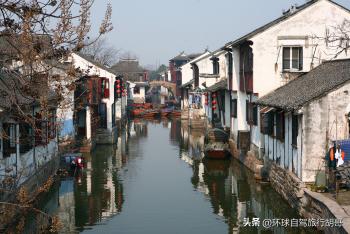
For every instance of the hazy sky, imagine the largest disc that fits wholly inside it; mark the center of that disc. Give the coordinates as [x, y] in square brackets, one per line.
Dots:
[157, 30]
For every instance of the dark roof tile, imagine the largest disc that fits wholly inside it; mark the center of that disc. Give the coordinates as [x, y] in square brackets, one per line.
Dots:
[305, 88]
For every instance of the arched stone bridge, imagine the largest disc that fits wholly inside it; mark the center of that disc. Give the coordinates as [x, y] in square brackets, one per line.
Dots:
[170, 86]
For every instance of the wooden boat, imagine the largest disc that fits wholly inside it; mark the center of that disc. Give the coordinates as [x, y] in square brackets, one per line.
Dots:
[147, 106]
[150, 113]
[217, 146]
[166, 112]
[217, 153]
[72, 161]
[137, 112]
[175, 113]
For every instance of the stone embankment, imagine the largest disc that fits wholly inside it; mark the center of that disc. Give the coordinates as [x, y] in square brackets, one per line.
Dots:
[310, 205]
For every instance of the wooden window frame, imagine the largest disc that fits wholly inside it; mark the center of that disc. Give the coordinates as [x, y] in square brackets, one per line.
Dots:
[233, 108]
[295, 130]
[300, 60]
[280, 126]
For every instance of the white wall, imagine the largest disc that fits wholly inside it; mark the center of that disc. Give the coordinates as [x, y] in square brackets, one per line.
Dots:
[142, 93]
[298, 30]
[186, 69]
[327, 114]
[310, 22]
[93, 70]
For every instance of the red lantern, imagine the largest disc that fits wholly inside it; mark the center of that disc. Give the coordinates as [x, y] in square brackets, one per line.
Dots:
[118, 91]
[214, 107]
[214, 95]
[118, 81]
[213, 102]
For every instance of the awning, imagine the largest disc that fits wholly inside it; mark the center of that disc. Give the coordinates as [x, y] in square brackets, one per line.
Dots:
[266, 110]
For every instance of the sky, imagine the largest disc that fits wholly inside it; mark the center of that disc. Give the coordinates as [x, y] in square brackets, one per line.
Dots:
[157, 30]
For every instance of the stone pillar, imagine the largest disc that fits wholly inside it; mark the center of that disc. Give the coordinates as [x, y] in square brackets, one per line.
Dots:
[88, 123]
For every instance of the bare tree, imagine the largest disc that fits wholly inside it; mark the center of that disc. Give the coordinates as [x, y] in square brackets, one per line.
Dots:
[102, 52]
[36, 37]
[338, 38]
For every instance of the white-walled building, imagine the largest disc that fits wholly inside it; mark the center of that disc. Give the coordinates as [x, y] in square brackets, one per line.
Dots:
[137, 91]
[303, 118]
[103, 100]
[25, 148]
[276, 53]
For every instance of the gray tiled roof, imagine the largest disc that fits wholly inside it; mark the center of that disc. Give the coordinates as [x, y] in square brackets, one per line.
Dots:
[94, 62]
[187, 83]
[310, 86]
[14, 91]
[222, 84]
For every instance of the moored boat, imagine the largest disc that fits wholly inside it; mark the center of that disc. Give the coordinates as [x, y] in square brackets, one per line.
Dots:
[217, 146]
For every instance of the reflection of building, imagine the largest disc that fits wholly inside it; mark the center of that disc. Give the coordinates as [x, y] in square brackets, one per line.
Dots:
[66, 210]
[192, 141]
[234, 194]
[138, 128]
[175, 131]
[99, 195]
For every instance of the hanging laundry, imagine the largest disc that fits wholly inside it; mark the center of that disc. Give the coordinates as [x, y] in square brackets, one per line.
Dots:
[339, 156]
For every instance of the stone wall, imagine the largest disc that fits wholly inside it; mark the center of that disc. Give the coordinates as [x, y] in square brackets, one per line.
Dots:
[248, 159]
[310, 205]
[286, 184]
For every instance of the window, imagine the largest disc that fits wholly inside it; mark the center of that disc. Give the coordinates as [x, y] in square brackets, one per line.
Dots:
[12, 135]
[195, 70]
[255, 115]
[280, 126]
[267, 123]
[247, 111]
[234, 108]
[246, 69]
[216, 66]
[295, 129]
[230, 68]
[251, 113]
[137, 90]
[105, 88]
[52, 125]
[9, 139]
[25, 137]
[41, 130]
[293, 58]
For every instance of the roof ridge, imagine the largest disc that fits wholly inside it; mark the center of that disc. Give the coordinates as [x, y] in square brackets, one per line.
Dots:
[335, 60]
[277, 20]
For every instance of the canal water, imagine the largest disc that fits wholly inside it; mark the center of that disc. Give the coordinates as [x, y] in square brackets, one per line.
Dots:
[155, 181]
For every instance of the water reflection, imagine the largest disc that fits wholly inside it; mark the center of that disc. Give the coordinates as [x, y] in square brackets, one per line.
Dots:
[95, 195]
[142, 185]
[233, 192]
